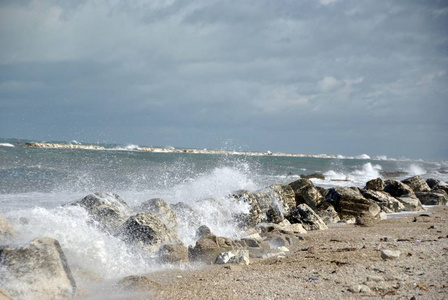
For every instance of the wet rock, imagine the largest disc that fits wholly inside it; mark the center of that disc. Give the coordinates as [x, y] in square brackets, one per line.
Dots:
[322, 191]
[108, 209]
[390, 254]
[161, 209]
[308, 218]
[39, 269]
[351, 203]
[431, 182]
[384, 200]
[432, 198]
[173, 253]
[375, 185]
[209, 247]
[148, 231]
[137, 284]
[306, 192]
[237, 257]
[282, 196]
[255, 215]
[7, 232]
[417, 184]
[203, 231]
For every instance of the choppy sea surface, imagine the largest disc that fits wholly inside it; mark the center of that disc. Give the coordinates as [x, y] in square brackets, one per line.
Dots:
[35, 183]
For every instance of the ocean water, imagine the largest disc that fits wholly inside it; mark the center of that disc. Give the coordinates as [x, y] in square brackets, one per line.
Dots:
[35, 184]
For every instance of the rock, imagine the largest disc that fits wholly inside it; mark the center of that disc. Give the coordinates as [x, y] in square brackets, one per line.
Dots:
[203, 231]
[417, 184]
[322, 191]
[384, 200]
[108, 209]
[411, 203]
[255, 215]
[382, 215]
[432, 198]
[173, 253]
[431, 182]
[390, 254]
[398, 189]
[351, 203]
[329, 215]
[237, 257]
[7, 232]
[308, 218]
[441, 186]
[137, 284]
[365, 220]
[283, 195]
[306, 192]
[209, 247]
[375, 185]
[161, 209]
[146, 230]
[314, 175]
[375, 278]
[39, 270]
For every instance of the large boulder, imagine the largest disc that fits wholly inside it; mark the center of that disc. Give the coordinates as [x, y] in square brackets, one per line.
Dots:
[398, 189]
[148, 231]
[209, 247]
[162, 210]
[38, 270]
[411, 203]
[108, 209]
[238, 257]
[432, 198]
[7, 232]
[281, 196]
[384, 200]
[441, 186]
[308, 218]
[417, 184]
[306, 192]
[329, 215]
[350, 202]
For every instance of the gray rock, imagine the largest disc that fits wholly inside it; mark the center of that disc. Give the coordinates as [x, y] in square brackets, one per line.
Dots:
[417, 184]
[39, 269]
[432, 182]
[203, 231]
[350, 202]
[308, 218]
[432, 198]
[329, 215]
[390, 254]
[109, 210]
[237, 257]
[441, 186]
[375, 184]
[365, 220]
[384, 200]
[162, 210]
[306, 192]
[281, 196]
[314, 175]
[359, 288]
[411, 203]
[148, 231]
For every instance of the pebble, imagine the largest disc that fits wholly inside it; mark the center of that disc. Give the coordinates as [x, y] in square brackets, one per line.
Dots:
[359, 288]
[375, 278]
[390, 254]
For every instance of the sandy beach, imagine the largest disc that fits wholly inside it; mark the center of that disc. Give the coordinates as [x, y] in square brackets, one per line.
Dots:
[343, 262]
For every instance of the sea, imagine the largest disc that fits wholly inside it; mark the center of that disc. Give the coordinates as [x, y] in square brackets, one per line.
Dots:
[37, 183]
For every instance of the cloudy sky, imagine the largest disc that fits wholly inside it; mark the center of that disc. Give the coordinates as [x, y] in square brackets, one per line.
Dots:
[303, 76]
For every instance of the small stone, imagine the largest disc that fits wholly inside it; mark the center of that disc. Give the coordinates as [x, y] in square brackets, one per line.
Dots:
[375, 278]
[359, 288]
[390, 254]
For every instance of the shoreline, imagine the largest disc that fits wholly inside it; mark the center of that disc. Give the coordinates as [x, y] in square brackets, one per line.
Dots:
[177, 150]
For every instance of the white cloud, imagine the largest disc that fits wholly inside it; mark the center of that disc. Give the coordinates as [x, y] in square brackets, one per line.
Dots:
[329, 83]
[327, 2]
[280, 99]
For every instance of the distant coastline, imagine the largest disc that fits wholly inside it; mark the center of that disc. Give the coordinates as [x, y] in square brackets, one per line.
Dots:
[177, 150]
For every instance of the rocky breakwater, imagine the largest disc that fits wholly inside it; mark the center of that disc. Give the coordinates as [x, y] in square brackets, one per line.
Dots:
[64, 146]
[276, 222]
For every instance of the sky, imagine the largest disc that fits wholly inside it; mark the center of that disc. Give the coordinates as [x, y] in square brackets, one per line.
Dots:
[302, 76]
